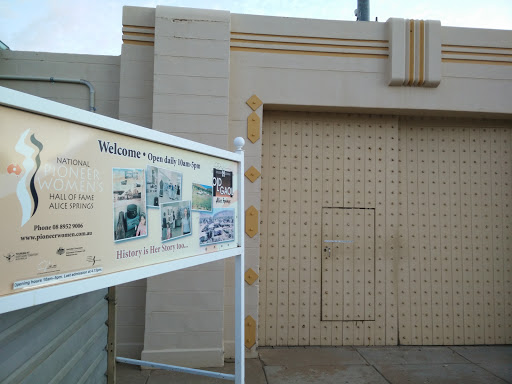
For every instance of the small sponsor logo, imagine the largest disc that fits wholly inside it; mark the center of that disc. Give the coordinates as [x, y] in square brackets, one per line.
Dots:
[60, 251]
[9, 256]
[93, 259]
[14, 168]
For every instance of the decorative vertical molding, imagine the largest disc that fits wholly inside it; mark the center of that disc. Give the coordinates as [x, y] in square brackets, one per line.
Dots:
[251, 221]
[250, 332]
[253, 127]
[252, 174]
[254, 102]
[250, 276]
[414, 52]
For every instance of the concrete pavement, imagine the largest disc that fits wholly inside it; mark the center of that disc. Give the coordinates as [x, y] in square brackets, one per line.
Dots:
[354, 365]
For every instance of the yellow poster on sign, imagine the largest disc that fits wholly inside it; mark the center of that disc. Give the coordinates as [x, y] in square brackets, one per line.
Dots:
[78, 202]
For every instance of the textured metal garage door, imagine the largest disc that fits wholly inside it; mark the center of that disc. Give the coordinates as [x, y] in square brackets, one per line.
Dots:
[314, 165]
[59, 342]
[441, 193]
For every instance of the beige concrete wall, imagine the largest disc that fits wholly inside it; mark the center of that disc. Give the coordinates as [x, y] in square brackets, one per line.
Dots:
[191, 74]
[135, 106]
[184, 309]
[137, 61]
[101, 71]
[184, 317]
[341, 66]
[131, 316]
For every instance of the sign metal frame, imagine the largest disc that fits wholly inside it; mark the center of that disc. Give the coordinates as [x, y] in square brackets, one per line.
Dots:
[44, 294]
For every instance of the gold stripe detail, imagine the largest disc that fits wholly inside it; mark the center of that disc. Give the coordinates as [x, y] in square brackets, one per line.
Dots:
[422, 52]
[142, 34]
[137, 42]
[478, 54]
[464, 61]
[308, 37]
[411, 51]
[474, 47]
[308, 44]
[311, 53]
[137, 26]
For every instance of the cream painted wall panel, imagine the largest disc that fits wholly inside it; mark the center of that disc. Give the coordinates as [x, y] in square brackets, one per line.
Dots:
[447, 273]
[199, 29]
[329, 254]
[273, 233]
[348, 276]
[435, 234]
[369, 202]
[479, 38]
[455, 204]
[306, 220]
[295, 232]
[488, 278]
[185, 85]
[185, 106]
[507, 227]
[190, 66]
[135, 106]
[359, 278]
[136, 84]
[425, 279]
[327, 200]
[369, 286]
[316, 234]
[413, 235]
[295, 27]
[497, 233]
[183, 340]
[337, 286]
[404, 295]
[190, 104]
[209, 49]
[284, 233]
[189, 122]
[476, 224]
[380, 236]
[391, 145]
[328, 145]
[298, 83]
[469, 321]
[466, 162]
[101, 71]
[264, 217]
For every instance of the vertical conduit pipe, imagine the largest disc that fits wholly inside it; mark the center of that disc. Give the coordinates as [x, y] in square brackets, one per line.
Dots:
[363, 10]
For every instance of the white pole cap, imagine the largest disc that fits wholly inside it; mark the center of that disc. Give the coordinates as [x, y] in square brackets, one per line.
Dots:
[239, 143]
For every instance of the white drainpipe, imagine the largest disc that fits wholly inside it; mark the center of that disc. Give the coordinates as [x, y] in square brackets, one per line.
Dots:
[57, 80]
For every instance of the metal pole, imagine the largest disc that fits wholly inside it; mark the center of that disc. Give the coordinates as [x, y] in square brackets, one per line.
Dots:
[363, 10]
[174, 368]
[239, 275]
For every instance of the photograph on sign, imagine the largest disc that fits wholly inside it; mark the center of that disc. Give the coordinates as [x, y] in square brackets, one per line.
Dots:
[85, 202]
[175, 220]
[162, 186]
[129, 199]
[202, 197]
[217, 227]
[222, 187]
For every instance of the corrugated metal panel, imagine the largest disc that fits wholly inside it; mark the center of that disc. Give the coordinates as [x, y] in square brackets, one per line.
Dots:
[59, 342]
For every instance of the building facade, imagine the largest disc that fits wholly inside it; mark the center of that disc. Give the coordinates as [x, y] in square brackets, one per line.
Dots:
[378, 183]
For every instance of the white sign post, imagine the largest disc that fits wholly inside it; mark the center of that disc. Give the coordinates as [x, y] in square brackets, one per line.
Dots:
[95, 202]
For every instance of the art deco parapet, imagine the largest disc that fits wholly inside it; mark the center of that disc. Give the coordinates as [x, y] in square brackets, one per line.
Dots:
[414, 52]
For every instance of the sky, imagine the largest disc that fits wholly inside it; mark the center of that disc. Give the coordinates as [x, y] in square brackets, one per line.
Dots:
[95, 26]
